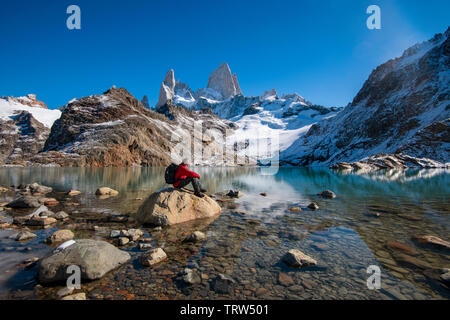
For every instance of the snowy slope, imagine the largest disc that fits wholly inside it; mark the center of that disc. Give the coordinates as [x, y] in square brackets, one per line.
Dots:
[404, 106]
[275, 125]
[259, 118]
[45, 116]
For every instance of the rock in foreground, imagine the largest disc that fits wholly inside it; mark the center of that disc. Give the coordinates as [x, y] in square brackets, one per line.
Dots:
[105, 191]
[171, 206]
[24, 202]
[152, 257]
[95, 259]
[296, 258]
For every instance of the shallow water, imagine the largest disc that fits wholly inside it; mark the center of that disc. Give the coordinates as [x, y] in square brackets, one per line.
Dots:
[248, 239]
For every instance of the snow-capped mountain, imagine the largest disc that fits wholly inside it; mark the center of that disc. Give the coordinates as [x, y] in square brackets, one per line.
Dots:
[258, 118]
[24, 127]
[115, 129]
[404, 106]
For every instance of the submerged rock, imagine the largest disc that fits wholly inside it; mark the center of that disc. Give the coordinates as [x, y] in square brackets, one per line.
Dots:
[61, 215]
[24, 235]
[190, 276]
[407, 260]
[235, 194]
[195, 237]
[296, 258]
[77, 296]
[152, 257]
[285, 280]
[402, 247]
[313, 206]
[105, 191]
[64, 292]
[223, 284]
[171, 206]
[327, 194]
[95, 259]
[434, 241]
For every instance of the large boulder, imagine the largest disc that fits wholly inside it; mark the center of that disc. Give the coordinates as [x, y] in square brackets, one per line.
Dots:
[95, 259]
[171, 206]
[24, 202]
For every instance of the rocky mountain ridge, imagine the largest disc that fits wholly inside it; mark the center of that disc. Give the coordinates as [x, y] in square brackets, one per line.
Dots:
[404, 106]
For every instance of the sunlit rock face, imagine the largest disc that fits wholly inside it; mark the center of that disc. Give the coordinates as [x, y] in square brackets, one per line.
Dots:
[115, 129]
[222, 81]
[404, 106]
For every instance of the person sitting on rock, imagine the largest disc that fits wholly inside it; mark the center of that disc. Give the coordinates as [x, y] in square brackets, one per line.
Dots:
[183, 177]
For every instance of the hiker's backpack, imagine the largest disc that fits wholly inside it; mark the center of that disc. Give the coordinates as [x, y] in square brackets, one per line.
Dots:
[169, 175]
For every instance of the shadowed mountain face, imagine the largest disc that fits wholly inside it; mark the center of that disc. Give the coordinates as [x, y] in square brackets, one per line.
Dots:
[404, 106]
[115, 129]
[21, 138]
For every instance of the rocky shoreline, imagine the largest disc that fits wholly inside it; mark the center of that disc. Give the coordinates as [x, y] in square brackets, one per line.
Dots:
[122, 242]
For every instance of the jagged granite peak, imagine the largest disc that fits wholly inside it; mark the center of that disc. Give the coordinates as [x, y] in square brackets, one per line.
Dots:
[222, 81]
[167, 89]
[145, 101]
[404, 106]
[169, 80]
[236, 84]
[270, 94]
[115, 129]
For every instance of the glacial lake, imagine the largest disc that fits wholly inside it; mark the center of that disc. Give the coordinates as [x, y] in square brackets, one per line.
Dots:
[345, 235]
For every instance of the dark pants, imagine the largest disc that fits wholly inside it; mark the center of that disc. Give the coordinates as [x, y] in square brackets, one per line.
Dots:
[195, 183]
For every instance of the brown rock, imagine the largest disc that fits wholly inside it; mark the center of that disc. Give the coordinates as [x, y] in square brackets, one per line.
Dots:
[295, 209]
[434, 241]
[77, 296]
[49, 201]
[73, 193]
[171, 206]
[121, 241]
[296, 258]
[402, 247]
[313, 206]
[285, 280]
[60, 236]
[42, 222]
[327, 194]
[261, 292]
[152, 257]
[407, 260]
[105, 191]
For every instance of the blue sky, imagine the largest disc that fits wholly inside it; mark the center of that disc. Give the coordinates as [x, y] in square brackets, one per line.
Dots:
[319, 49]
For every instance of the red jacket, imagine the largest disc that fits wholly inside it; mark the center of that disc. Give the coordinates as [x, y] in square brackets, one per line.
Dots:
[183, 173]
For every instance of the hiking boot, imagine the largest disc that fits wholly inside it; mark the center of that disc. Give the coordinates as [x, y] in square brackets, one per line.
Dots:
[200, 195]
[203, 190]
